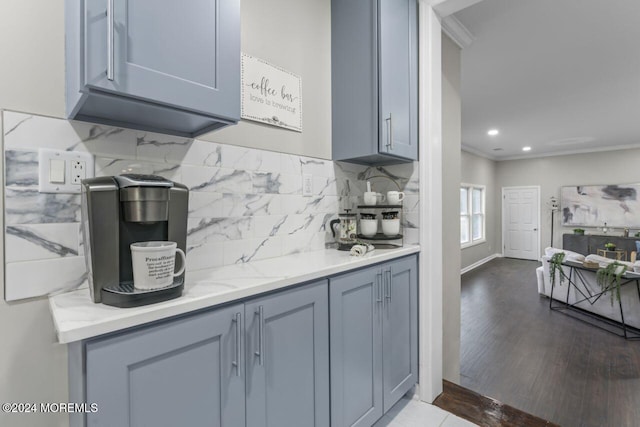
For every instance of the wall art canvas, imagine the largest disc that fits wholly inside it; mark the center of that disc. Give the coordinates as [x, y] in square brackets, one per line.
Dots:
[595, 205]
[270, 94]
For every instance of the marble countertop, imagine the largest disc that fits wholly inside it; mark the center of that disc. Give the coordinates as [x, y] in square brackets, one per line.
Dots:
[76, 317]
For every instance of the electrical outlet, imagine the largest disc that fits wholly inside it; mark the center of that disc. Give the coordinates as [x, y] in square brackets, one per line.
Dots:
[62, 171]
[307, 184]
[78, 171]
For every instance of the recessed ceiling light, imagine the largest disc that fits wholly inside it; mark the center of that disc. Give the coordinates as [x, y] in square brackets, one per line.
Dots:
[493, 132]
[526, 148]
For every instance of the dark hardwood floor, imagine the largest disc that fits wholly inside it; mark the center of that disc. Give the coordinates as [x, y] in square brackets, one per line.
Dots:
[514, 349]
[484, 411]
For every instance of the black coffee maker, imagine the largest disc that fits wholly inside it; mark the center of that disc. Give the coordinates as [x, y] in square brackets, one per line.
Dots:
[118, 211]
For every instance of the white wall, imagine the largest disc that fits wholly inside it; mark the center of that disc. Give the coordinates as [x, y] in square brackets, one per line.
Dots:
[32, 52]
[482, 171]
[451, 128]
[294, 34]
[551, 173]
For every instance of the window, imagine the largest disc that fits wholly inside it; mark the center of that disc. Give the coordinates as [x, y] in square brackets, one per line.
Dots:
[471, 214]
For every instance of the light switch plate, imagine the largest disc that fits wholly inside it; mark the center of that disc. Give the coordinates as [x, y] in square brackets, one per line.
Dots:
[70, 158]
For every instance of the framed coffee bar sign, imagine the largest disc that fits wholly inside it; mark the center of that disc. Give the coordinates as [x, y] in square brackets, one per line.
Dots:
[270, 94]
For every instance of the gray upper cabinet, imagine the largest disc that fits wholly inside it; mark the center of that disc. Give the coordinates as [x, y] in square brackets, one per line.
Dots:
[374, 340]
[374, 81]
[185, 372]
[288, 358]
[157, 65]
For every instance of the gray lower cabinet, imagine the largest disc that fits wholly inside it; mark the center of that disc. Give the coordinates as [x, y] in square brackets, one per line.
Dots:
[262, 363]
[183, 372]
[158, 65]
[288, 358]
[374, 78]
[374, 338]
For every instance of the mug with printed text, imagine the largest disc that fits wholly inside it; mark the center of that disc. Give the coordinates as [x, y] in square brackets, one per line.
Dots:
[154, 264]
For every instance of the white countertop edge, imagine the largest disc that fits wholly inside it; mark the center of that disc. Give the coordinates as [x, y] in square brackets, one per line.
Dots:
[68, 332]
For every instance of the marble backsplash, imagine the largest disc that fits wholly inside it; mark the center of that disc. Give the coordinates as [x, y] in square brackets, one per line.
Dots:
[245, 204]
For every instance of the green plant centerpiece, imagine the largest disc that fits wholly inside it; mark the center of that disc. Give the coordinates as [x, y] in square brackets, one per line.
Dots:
[578, 231]
[610, 246]
[555, 264]
[609, 279]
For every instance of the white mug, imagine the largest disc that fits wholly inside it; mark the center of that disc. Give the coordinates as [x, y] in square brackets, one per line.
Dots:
[395, 197]
[391, 227]
[370, 198]
[154, 264]
[368, 227]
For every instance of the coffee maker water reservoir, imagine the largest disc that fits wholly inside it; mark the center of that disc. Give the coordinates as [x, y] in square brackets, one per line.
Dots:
[118, 211]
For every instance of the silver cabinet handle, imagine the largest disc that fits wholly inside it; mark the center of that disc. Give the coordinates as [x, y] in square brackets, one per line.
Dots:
[110, 49]
[379, 286]
[390, 142]
[238, 321]
[387, 293]
[260, 352]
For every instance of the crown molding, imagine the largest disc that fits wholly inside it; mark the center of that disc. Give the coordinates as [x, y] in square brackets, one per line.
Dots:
[553, 154]
[457, 32]
[446, 8]
[477, 152]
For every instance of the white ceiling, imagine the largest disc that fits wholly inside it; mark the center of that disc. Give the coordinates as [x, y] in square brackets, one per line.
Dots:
[561, 76]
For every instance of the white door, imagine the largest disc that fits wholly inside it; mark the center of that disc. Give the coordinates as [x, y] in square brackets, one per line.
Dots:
[520, 222]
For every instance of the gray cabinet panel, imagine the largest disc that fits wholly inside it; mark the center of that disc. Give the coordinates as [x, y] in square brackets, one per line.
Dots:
[398, 78]
[288, 358]
[181, 57]
[576, 243]
[183, 372]
[374, 81]
[400, 330]
[354, 78]
[589, 244]
[356, 348]
[374, 340]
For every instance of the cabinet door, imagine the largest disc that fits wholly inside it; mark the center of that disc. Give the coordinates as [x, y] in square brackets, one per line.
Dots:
[288, 358]
[398, 78]
[356, 348]
[576, 243]
[400, 329]
[183, 372]
[184, 54]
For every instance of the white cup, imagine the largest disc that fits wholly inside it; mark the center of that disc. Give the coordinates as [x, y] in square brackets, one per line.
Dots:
[391, 227]
[370, 198]
[395, 197]
[368, 227]
[154, 264]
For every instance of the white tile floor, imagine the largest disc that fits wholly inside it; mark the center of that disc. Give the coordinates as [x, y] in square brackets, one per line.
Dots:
[413, 413]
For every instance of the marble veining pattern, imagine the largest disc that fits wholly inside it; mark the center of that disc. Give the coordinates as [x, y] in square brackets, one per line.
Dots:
[21, 168]
[245, 204]
[38, 240]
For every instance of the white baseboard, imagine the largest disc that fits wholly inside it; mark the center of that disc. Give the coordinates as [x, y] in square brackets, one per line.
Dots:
[479, 263]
